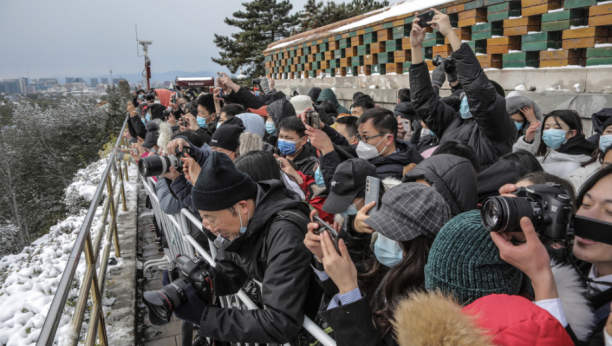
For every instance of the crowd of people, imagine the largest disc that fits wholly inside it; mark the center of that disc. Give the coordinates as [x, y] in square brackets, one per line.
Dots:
[284, 199]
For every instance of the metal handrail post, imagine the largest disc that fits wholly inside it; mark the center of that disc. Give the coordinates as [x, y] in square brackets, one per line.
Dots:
[96, 317]
[120, 177]
[113, 212]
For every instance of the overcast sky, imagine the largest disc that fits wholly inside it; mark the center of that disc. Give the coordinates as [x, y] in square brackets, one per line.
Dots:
[81, 38]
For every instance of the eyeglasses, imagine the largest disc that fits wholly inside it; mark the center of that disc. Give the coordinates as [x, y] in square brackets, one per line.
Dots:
[365, 139]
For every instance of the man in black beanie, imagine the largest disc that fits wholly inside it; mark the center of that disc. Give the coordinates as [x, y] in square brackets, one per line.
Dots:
[262, 246]
[226, 139]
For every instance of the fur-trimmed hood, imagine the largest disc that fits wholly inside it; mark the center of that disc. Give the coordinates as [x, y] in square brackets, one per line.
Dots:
[572, 294]
[165, 134]
[426, 319]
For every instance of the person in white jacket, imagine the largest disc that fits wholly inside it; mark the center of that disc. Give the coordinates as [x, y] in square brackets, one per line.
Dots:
[563, 147]
[579, 176]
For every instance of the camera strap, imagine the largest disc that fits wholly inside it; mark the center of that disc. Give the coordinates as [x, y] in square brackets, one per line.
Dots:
[592, 229]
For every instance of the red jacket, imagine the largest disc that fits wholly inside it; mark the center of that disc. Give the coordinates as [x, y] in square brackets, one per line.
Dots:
[516, 321]
[318, 201]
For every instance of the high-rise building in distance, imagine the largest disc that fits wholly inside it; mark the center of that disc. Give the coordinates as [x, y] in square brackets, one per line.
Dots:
[94, 82]
[104, 81]
[69, 80]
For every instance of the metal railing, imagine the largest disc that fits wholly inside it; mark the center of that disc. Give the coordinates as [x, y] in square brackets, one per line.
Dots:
[180, 242]
[92, 283]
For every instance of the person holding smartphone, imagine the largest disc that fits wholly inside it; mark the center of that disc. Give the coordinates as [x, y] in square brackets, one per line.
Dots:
[410, 217]
[482, 122]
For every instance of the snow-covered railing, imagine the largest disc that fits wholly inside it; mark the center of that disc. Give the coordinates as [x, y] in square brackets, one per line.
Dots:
[180, 242]
[92, 283]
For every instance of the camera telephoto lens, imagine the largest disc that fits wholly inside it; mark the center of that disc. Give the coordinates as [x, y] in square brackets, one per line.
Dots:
[163, 302]
[156, 165]
[503, 214]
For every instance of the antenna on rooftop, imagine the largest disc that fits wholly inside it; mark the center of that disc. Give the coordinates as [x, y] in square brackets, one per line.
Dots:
[145, 48]
[111, 74]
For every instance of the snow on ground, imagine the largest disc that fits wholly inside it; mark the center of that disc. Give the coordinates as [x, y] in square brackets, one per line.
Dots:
[28, 280]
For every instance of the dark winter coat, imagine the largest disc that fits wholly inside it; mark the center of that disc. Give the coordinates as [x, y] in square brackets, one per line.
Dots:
[314, 94]
[329, 95]
[279, 110]
[598, 119]
[453, 177]
[306, 160]
[386, 166]
[139, 127]
[454, 99]
[181, 186]
[491, 132]
[273, 254]
[246, 98]
[422, 143]
[501, 173]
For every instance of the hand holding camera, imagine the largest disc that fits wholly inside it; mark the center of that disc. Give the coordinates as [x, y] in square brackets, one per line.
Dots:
[190, 282]
[191, 169]
[191, 122]
[319, 139]
[362, 215]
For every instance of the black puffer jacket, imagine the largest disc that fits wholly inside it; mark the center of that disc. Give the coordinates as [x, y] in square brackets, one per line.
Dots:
[501, 173]
[491, 132]
[453, 177]
[307, 159]
[247, 99]
[273, 254]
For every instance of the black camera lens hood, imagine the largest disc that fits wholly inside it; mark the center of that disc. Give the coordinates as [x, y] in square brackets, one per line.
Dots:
[592, 229]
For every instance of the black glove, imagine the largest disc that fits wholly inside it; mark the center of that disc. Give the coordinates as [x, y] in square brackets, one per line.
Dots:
[452, 75]
[438, 76]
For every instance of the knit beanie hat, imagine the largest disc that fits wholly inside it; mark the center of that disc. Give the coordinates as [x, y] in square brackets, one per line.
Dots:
[300, 103]
[464, 261]
[227, 136]
[253, 123]
[220, 184]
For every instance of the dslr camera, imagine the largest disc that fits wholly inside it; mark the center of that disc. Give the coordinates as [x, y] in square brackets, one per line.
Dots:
[256, 81]
[182, 271]
[548, 206]
[448, 63]
[155, 165]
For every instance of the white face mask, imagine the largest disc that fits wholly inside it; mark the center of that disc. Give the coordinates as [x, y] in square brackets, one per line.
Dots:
[368, 151]
[424, 132]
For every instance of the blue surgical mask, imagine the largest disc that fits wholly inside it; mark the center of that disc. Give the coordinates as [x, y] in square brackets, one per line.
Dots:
[465, 109]
[351, 210]
[141, 96]
[388, 252]
[554, 138]
[270, 129]
[519, 126]
[219, 124]
[319, 177]
[287, 147]
[242, 228]
[605, 142]
[201, 122]
[148, 117]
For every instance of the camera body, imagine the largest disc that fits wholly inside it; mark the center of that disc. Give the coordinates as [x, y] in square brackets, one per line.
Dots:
[182, 271]
[448, 63]
[256, 81]
[548, 206]
[155, 165]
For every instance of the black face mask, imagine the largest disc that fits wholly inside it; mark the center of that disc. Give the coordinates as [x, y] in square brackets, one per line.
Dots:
[592, 229]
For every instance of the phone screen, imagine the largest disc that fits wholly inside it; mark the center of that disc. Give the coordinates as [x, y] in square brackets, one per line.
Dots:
[323, 226]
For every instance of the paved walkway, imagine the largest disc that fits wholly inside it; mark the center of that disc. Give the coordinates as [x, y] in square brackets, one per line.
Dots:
[150, 335]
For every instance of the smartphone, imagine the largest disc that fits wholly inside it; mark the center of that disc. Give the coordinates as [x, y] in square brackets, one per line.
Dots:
[424, 18]
[313, 119]
[134, 151]
[372, 193]
[174, 98]
[406, 124]
[324, 226]
[219, 84]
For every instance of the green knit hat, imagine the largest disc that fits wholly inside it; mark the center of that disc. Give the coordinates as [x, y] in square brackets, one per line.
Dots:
[464, 261]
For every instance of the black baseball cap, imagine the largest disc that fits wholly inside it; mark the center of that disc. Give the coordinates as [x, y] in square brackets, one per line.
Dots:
[349, 182]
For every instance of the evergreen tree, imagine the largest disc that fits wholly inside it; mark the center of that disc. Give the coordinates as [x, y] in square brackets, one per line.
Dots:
[264, 22]
[316, 15]
[311, 16]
